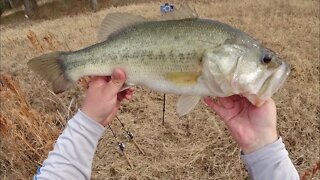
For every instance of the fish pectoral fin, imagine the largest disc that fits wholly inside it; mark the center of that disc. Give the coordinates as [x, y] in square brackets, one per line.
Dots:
[116, 22]
[183, 12]
[182, 77]
[186, 104]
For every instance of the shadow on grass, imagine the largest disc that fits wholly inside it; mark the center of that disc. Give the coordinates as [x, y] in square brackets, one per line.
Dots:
[59, 8]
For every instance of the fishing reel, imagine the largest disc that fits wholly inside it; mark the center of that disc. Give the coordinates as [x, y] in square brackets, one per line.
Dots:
[166, 8]
[121, 146]
[129, 135]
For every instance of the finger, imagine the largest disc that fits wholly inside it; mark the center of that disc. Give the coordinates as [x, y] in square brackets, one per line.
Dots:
[227, 102]
[129, 96]
[129, 91]
[244, 102]
[107, 78]
[126, 94]
[235, 98]
[267, 105]
[97, 81]
[121, 95]
[269, 102]
[115, 84]
[215, 106]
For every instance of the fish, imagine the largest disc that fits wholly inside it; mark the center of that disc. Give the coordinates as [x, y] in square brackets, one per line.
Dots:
[180, 53]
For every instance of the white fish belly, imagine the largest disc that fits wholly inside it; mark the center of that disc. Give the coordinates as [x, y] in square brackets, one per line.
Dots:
[161, 84]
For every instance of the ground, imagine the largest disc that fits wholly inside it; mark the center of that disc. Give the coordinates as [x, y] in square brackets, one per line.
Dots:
[196, 146]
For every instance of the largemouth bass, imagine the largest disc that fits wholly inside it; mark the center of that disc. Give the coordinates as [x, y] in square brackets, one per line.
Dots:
[180, 54]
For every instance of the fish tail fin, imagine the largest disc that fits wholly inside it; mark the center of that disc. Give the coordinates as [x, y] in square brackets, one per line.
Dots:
[50, 66]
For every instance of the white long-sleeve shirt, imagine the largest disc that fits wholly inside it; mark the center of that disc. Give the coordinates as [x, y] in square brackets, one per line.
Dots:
[270, 162]
[73, 153]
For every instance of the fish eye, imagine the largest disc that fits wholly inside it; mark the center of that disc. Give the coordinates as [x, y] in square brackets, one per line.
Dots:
[266, 58]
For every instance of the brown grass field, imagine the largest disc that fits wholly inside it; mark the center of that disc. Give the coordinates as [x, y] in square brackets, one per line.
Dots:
[196, 146]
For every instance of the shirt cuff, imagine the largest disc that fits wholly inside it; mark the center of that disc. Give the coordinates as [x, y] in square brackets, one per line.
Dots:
[271, 152]
[87, 124]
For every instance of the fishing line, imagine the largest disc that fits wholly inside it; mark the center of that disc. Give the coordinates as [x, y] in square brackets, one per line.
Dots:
[121, 146]
[113, 133]
[130, 135]
[120, 122]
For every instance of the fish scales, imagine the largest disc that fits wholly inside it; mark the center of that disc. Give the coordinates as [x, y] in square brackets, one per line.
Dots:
[151, 47]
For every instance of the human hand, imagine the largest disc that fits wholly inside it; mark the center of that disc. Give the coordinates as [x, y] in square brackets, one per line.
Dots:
[252, 127]
[103, 98]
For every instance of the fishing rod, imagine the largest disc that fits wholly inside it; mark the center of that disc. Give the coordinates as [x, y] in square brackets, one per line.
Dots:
[121, 146]
[130, 136]
[163, 108]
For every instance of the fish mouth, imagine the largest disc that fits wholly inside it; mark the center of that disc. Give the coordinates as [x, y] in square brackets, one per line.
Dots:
[271, 85]
[274, 82]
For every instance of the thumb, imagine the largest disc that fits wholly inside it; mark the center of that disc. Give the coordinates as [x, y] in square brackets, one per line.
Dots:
[115, 84]
[220, 110]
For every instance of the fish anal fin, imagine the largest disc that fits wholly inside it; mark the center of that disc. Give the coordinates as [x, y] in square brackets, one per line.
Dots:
[186, 104]
[116, 22]
[182, 12]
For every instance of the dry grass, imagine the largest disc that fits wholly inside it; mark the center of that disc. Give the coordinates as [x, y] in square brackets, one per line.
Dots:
[196, 146]
[23, 141]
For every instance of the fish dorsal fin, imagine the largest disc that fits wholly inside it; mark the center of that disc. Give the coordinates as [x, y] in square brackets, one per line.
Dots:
[115, 22]
[186, 104]
[183, 12]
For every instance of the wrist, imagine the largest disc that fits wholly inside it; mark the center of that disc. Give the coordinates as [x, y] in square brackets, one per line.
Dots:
[91, 116]
[87, 121]
[259, 142]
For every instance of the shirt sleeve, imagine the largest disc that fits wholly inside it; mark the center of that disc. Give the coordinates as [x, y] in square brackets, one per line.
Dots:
[270, 162]
[73, 152]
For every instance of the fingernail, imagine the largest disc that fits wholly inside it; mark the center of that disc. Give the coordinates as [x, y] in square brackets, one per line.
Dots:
[116, 76]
